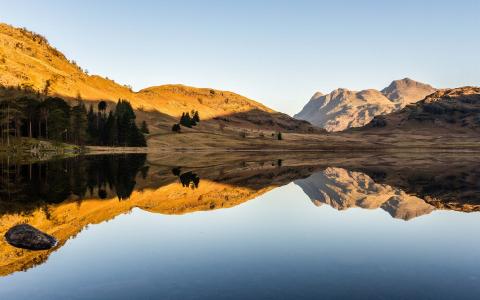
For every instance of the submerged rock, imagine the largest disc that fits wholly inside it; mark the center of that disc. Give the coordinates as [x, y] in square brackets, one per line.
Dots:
[27, 237]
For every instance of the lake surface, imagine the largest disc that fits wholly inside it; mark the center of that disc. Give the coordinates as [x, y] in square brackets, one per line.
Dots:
[245, 225]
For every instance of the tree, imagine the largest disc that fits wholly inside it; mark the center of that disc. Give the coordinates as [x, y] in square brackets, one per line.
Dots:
[8, 112]
[128, 132]
[102, 106]
[58, 125]
[91, 126]
[196, 116]
[79, 123]
[112, 130]
[187, 121]
[125, 117]
[144, 128]
[101, 123]
[279, 136]
[30, 106]
[42, 115]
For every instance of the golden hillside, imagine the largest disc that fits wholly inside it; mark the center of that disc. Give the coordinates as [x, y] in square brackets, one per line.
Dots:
[27, 59]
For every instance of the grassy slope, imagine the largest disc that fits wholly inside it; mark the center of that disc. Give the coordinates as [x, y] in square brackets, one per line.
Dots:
[27, 59]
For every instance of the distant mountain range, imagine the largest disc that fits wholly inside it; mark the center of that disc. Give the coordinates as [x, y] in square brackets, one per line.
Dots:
[342, 109]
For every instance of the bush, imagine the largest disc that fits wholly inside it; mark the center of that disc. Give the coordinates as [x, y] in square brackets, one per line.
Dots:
[176, 128]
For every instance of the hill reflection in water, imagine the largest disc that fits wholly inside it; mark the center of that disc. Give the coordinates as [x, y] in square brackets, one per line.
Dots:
[62, 197]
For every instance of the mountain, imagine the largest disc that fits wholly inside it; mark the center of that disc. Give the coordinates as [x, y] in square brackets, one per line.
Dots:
[29, 62]
[445, 110]
[406, 91]
[342, 109]
[343, 189]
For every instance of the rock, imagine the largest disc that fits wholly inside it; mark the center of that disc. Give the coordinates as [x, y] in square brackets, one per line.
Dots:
[27, 237]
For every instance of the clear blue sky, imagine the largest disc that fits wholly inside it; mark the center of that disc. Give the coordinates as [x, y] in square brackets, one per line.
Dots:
[277, 52]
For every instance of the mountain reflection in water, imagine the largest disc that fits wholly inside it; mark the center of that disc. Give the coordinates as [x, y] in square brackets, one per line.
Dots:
[62, 197]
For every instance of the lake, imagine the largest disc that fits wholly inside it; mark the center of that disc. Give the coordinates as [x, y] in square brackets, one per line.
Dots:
[245, 225]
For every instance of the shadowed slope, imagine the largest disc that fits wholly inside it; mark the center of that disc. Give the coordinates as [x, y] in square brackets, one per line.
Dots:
[444, 110]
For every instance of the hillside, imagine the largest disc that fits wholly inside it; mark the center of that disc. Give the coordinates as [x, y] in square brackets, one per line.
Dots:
[342, 109]
[445, 110]
[29, 62]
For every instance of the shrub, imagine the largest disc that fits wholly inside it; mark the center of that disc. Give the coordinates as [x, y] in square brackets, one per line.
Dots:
[176, 128]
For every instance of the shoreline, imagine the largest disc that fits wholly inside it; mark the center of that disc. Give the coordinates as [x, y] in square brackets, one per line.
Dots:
[433, 149]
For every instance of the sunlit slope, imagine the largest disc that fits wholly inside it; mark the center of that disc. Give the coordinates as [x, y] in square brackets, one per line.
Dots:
[27, 59]
[67, 219]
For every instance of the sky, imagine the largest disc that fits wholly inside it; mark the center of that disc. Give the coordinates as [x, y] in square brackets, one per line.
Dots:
[276, 52]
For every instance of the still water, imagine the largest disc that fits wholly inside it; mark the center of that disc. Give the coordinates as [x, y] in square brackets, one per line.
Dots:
[206, 227]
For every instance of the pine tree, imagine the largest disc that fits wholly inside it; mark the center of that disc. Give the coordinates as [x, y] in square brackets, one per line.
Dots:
[112, 130]
[8, 111]
[30, 106]
[186, 120]
[128, 132]
[183, 120]
[91, 126]
[102, 106]
[79, 124]
[196, 116]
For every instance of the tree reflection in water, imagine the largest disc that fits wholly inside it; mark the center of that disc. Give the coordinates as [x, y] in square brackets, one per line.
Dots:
[188, 179]
[57, 180]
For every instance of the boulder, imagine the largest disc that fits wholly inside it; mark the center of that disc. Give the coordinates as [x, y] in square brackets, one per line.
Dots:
[27, 237]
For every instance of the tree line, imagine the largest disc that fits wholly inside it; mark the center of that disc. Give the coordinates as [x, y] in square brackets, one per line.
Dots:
[53, 118]
[115, 128]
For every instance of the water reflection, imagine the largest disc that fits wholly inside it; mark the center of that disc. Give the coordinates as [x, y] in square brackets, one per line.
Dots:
[343, 189]
[102, 176]
[188, 179]
[62, 197]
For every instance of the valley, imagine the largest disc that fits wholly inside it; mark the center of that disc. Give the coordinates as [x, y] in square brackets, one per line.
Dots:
[340, 121]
